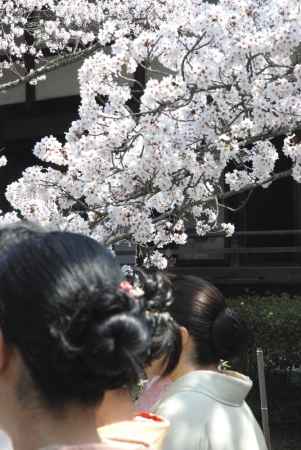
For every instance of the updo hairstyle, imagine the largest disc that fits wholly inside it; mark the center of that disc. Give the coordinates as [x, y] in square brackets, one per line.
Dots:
[217, 331]
[61, 306]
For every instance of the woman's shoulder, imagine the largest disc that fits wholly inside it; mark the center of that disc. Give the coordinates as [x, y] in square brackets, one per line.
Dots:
[146, 430]
[185, 396]
[184, 407]
[187, 422]
[102, 446]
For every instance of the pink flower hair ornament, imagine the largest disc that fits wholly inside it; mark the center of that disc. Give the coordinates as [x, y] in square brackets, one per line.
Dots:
[129, 289]
[126, 287]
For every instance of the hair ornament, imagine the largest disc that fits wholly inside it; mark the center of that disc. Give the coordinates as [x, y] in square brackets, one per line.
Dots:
[128, 288]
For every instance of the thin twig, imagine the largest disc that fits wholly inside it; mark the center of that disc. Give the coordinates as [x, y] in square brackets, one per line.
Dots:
[55, 64]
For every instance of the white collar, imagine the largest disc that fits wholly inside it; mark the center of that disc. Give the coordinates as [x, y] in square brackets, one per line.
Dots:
[227, 387]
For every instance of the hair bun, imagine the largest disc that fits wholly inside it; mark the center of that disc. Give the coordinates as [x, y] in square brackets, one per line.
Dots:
[115, 346]
[230, 334]
[108, 345]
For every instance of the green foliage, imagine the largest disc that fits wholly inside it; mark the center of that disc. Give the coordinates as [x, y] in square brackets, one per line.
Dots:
[275, 322]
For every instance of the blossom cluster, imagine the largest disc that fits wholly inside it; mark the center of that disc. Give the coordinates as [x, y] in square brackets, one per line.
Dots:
[221, 80]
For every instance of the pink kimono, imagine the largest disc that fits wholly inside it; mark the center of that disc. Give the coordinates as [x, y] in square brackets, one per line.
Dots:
[152, 393]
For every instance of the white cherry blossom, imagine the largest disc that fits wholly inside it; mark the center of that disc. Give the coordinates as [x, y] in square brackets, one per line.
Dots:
[222, 79]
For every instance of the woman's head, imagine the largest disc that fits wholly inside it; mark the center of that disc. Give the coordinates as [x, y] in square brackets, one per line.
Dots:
[199, 308]
[63, 311]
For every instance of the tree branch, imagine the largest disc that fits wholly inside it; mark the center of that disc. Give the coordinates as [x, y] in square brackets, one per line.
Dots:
[252, 186]
[190, 51]
[226, 195]
[241, 206]
[113, 239]
[55, 64]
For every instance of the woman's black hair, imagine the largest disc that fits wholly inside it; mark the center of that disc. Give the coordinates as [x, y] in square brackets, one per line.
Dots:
[61, 306]
[218, 332]
[165, 332]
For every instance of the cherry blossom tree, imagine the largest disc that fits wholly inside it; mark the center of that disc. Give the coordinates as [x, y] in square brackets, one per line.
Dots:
[222, 80]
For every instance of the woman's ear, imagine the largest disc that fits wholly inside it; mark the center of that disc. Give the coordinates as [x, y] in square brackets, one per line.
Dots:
[184, 337]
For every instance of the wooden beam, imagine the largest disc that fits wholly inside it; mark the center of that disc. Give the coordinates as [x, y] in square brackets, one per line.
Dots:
[252, 250]
[289, 275]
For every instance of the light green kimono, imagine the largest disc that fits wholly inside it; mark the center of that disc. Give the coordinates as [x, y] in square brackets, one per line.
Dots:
[207, 411]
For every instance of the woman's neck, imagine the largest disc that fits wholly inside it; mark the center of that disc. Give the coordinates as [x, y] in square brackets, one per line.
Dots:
[186, 367]
[116, 406]
[38, 429]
